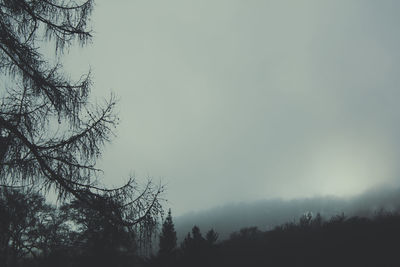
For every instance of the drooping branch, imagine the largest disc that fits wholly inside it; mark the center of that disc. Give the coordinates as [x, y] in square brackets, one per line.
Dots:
[49, 134]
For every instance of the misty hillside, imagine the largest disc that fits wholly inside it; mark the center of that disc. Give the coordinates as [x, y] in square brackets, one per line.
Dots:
[266, 214]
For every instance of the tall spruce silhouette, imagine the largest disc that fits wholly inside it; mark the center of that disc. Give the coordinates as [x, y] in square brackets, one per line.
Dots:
[168, 237]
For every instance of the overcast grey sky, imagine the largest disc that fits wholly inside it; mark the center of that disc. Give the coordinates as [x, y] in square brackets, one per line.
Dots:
[229, 100]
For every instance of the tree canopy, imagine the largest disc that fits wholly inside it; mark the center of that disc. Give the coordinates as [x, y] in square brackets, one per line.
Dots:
[50, 133]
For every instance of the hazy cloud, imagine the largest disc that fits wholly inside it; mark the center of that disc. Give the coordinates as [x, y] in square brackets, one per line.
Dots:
[243, 100]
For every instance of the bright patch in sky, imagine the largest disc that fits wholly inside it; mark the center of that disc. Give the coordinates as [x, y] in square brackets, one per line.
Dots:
[350, 165]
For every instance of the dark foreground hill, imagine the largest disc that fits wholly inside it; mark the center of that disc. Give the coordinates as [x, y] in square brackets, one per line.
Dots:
[354, 241]
[311, 241]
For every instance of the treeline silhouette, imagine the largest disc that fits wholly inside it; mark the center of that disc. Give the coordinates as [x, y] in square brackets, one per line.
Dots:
[34, 233]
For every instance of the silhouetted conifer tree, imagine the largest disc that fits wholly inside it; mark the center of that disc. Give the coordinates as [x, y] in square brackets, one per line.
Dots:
[167, 237]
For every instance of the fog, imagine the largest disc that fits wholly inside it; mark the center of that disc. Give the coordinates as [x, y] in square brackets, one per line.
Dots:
[237, 101]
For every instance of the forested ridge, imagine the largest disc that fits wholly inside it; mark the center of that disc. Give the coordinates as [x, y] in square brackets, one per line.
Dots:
[310, 241]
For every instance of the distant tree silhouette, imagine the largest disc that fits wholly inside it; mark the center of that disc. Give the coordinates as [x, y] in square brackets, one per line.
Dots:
[194, 240]
[248, 233]
[306, 219]
[211, 237]
[194, 248]
[187, 241]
